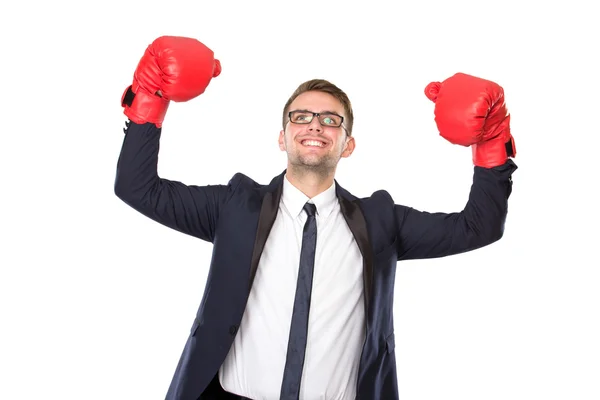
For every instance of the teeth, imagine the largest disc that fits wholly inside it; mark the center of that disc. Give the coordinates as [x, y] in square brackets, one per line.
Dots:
[312, 143]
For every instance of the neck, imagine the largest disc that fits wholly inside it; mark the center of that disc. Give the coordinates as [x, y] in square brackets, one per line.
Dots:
[311, 182]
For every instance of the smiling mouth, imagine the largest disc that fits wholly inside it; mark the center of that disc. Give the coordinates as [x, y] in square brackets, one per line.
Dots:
[313, 143]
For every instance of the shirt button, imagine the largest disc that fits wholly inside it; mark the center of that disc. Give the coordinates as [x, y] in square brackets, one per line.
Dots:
[233, 329]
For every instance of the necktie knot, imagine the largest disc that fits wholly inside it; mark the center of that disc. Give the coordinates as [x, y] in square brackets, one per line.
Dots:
[310, 209]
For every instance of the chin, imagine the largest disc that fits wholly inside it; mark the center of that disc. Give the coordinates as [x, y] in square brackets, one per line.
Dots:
[312, 161]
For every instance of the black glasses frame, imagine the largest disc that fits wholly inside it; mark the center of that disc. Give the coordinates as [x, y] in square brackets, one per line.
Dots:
[315, 115]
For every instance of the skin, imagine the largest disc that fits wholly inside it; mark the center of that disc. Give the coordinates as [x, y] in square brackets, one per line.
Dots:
[309, 168]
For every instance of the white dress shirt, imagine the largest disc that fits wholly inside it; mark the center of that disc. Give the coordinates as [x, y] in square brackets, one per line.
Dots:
[255, 363]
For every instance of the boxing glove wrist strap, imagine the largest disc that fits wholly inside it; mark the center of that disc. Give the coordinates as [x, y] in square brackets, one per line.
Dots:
[494, 152]
[142, 107]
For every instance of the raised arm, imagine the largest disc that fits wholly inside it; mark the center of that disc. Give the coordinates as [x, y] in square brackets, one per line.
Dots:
[429, 235]
[469, 111]
[177, 69]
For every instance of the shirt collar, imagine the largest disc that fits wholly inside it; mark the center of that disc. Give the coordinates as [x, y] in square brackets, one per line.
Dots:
[294, 199]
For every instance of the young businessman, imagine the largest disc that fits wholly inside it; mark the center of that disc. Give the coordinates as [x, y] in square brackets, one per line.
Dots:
[299, 297]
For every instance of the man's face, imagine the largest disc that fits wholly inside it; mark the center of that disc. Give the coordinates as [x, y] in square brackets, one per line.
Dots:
[314, 145]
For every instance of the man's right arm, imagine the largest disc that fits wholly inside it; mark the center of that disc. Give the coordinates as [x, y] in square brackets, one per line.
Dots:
[172, 69]
[193, 210]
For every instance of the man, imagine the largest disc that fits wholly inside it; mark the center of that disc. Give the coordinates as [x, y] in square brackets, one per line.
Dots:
[298, 302]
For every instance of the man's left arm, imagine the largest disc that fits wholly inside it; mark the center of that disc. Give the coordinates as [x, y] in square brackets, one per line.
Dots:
[469, 111]
[430, 235]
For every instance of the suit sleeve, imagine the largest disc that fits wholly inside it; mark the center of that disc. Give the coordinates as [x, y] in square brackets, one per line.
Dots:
[430, 235]
[193, 210]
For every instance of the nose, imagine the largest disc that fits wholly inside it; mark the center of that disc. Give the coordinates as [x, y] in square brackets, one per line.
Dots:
[315, 125]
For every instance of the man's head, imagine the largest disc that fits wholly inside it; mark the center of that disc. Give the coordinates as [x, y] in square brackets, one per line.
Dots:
[317, 126]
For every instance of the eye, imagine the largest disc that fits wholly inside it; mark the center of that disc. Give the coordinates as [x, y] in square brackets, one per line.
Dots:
[301, 117]
[329, 119]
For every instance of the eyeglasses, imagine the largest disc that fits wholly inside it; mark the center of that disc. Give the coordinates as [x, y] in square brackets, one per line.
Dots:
[326, 119]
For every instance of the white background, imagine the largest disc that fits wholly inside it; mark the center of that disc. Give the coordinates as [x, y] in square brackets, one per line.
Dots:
[97, 300]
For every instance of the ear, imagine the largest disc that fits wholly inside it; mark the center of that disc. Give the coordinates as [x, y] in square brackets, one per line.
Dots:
[282, 140]
[349, 147]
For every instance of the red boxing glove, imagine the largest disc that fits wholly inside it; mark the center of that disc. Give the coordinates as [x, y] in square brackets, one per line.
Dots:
[172, 68]
[471, 111]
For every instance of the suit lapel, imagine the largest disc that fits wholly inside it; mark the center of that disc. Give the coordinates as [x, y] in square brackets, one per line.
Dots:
[358, 226]
[268, 213]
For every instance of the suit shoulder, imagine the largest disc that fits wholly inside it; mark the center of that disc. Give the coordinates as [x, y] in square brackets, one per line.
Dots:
[378, 196]
[243, 181]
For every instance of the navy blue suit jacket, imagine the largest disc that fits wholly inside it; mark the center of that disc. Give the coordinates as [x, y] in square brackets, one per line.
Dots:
[237, 218]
